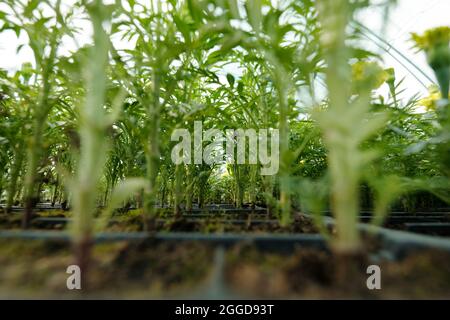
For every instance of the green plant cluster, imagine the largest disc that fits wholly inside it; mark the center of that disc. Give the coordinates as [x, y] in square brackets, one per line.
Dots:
[91, 128]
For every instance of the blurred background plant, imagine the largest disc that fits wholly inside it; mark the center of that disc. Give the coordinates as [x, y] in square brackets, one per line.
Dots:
[436, 44]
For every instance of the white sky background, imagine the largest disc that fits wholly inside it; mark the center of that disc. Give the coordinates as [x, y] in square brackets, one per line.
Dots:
[408, 16]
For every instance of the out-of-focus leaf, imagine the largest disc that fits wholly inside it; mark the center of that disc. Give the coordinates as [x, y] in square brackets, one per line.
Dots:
[230, 79]
[121, 193]
[254, 13]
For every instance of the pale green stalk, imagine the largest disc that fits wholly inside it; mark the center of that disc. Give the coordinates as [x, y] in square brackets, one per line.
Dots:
[35, 144]
[178, 191]
[345, 124]
[92, 127]
[344, 177]
[14, 178]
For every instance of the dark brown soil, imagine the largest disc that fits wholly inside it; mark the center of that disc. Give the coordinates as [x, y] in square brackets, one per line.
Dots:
[134, 222]
[35, 269]
[317, 274]
[10, 222]
[298, 225]
[167, 264]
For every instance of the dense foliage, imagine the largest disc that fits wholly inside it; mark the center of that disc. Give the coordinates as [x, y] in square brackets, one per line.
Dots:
[92, 127]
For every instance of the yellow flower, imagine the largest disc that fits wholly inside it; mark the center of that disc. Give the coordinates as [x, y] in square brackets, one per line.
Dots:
[430, 102]
[368, 74]
[436, 43]
[432, 38]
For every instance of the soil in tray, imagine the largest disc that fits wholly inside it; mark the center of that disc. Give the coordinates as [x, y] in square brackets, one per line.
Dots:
[215, 225]
[309, 273]
[133, 221]
[37, 269]
[299, 225]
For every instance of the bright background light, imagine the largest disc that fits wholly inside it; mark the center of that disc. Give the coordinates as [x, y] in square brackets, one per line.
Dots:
[408, 16]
